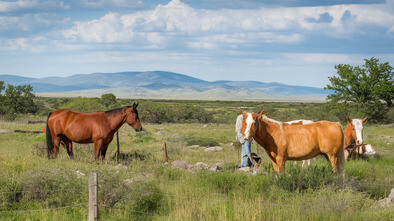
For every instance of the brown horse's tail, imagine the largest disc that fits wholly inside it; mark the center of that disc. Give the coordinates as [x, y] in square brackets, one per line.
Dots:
[341, 153]
[49, 139]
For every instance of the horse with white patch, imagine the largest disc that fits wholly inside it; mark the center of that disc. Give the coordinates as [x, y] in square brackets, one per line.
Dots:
[354, 143]
[300, 142]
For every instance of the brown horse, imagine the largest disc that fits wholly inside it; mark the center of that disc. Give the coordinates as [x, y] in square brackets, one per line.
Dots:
[300, 142]
[99, 127]
[353, 135]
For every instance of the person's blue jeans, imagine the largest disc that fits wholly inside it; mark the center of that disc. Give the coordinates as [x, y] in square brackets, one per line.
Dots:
[246, 149]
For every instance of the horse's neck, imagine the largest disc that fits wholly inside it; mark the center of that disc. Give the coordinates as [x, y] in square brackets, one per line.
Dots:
[265, 137]
[265, 133]
[117, 120]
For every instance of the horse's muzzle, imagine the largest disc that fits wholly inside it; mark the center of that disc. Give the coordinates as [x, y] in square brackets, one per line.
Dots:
[246, 138]
[138, 129]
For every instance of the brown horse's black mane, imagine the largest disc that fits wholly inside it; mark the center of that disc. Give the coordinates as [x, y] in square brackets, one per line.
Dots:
[117, 110]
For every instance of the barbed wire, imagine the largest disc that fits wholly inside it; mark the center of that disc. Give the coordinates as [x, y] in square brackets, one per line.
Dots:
[376, 184]
[180, 195]
[36, 191]
[36, 210]
[215, 193]
[193, 198]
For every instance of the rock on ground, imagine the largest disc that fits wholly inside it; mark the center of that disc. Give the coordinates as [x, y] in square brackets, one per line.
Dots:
[181, 164]
[213, 149]
[389, 201]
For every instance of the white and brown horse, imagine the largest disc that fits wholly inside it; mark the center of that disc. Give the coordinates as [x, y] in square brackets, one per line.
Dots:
[300, 142]
[354, 143]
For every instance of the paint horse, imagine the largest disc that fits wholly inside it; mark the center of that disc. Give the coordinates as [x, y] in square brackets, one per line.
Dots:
[354, 143]
[99, 127]
[300, 122]
[300, 142]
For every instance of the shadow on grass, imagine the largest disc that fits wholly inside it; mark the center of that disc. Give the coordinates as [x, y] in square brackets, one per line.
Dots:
[127, 158]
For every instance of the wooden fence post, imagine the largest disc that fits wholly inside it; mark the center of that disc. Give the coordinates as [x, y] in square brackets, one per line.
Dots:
[165, 152]
[93, 197]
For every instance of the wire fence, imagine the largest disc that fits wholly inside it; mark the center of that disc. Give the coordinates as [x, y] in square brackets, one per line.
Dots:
[183, 196]
[36, 210]
[75, 189]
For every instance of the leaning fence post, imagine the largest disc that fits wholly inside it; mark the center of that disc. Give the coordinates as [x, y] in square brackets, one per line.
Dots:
[93, 197]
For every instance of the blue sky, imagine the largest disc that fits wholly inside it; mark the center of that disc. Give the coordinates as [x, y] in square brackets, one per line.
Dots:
[292, 42]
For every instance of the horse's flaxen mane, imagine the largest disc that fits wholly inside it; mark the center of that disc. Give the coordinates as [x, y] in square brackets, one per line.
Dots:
[267, 119]
[117, 110]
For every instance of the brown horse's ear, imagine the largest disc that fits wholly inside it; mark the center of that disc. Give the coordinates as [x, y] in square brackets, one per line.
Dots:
[349, 120]
[261, 113]
[363, 120]
[135, 105]
[244, 114]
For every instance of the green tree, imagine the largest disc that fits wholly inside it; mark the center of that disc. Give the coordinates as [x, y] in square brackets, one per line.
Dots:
[1, 87]
[17, 100]
[108, 99]
[83, 104]
[1, 95]
[371, 83]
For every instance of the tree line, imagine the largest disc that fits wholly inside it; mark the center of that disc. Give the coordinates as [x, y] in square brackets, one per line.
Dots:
[356, 92]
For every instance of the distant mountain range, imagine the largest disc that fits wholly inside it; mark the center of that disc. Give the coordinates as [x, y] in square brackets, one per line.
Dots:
[162, 85]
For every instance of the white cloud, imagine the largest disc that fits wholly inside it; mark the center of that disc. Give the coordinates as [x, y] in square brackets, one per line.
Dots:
[99, 4]
[30, 23]
[40, 5]
[323, 58]
[14, 6]
[37, 44]
[208, 29]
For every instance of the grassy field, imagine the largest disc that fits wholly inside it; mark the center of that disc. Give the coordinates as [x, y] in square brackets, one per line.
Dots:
[143, 187]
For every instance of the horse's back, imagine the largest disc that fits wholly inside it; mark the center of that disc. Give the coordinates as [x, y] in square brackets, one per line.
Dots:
[320, 136]
[71, 115]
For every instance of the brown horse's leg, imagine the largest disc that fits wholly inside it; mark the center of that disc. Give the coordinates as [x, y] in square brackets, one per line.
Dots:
[334, 162]
[280, 163]
[97, 148]
[56, 144]
[69, 147]
[103, 151]
[276, 169]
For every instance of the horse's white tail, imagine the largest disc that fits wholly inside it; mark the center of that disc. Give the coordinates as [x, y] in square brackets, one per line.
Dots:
[341, 153]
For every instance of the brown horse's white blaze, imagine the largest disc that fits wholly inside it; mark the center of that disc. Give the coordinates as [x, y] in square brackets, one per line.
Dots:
[354, 136]
[249, 124]
[99, 127]
[300, 142]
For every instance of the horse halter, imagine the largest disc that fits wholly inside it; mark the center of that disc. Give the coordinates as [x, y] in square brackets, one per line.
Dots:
[353, 143]
[256, 125]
